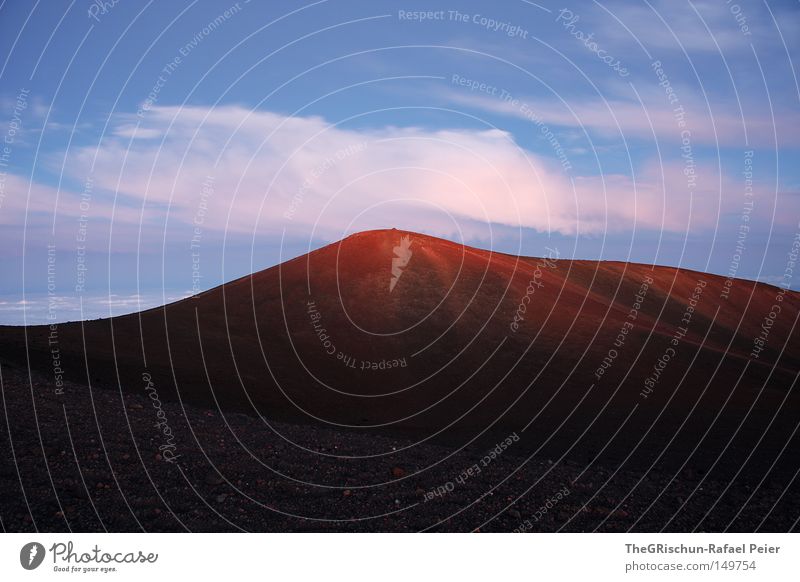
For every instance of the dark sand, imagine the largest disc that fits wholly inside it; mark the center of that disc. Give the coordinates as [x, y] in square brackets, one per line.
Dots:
[712, 447]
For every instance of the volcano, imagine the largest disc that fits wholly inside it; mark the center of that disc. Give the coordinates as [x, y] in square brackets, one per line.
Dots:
[397, 374]
[401, 333]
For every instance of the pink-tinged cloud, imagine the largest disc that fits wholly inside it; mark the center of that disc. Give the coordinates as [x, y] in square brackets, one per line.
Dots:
[702, 25]
[251, 173]
[654, 119]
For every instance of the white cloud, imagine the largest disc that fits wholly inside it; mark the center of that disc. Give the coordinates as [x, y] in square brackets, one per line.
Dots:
[654, 118]
[267, 167]
[683, 29]
[271, 172]
[134, 131]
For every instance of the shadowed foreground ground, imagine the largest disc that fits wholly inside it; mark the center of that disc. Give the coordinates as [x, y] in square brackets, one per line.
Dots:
[647, 397]
[89, 461]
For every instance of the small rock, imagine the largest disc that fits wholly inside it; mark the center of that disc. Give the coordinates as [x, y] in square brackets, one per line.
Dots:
[221, 497]
[77, 491]
[214, 478]
[346, 493]
[397, 472]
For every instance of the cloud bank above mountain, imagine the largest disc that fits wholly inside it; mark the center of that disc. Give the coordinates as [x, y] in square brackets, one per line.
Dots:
[248, 173]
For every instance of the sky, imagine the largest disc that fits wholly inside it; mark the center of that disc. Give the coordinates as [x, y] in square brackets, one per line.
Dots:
[153, 150]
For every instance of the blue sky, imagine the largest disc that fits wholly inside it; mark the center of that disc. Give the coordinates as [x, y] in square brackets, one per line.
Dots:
[155, 149]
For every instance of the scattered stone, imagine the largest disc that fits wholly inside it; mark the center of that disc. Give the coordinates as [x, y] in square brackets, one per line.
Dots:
[214, 478]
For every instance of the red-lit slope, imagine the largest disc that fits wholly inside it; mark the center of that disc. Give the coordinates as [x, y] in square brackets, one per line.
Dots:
[439, 353]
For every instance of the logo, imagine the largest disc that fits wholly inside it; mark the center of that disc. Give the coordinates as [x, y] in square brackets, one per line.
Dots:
[400, 260]
[31, 555]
